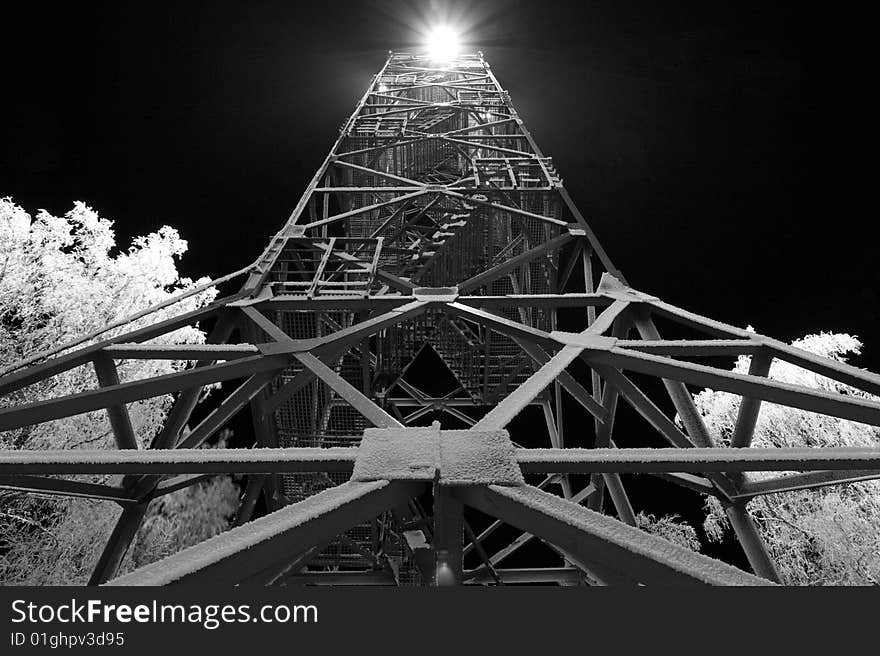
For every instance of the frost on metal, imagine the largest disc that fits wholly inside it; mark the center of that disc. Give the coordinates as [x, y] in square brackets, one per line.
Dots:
[397, 454]
[471, 457]
[454, 457]
[274, 539]
[170, 461]
[696, 459]
[613, 543]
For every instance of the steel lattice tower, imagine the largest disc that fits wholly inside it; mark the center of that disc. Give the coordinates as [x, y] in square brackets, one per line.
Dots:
[435, 224]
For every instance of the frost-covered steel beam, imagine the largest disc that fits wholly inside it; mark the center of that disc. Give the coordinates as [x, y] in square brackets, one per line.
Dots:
[645, 407]
[367, 208]
[540, 357]
[565, 380]
[840, 371]
[332, 346]
[699, 322]
[595, 573]
[796, 396]
[503, 413]
[536, 300]
[866, 381]
[128, 351]
[178, 461]
[353, 334]
[593, 537]
[56, 486]
[287, 302]
[500, 324]
[805, 481]
[697, 460]
[364, 405]
[681, 398]
[74, 404]
[494, 526]
[859, 462]
[262, 322]
[692, 348]
[525, 538]
[275, 538]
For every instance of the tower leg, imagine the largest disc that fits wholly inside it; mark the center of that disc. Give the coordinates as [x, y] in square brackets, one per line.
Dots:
[117, 545]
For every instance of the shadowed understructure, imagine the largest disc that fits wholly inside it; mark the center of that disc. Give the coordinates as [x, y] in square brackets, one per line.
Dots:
[436, 231]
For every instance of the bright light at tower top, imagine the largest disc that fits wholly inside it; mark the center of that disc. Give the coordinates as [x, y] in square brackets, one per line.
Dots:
[443, 43]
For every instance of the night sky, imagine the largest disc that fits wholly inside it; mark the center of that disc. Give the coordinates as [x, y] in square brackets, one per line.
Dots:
[720, 152]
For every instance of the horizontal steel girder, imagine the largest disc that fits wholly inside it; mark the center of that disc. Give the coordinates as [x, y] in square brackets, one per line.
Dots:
[341, 459]
[42, 411]
[178, 461]
[697, 460]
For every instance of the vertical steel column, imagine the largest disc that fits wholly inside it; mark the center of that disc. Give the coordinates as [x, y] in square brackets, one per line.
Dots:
[749, 408]
[120, 421]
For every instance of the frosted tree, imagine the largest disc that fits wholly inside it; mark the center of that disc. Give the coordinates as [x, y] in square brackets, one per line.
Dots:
[62, 277]
[670, 527]
[826, 536]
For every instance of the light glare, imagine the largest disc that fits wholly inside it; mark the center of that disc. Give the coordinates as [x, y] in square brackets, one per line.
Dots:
[442, 44]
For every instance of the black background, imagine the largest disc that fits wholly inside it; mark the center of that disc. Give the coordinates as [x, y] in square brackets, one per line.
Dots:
[723, 153]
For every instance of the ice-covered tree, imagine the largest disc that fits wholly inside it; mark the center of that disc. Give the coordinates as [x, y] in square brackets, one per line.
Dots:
[825, 536]
[670, 527]
[62, 277]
